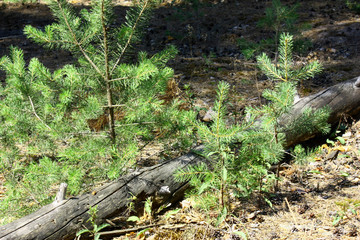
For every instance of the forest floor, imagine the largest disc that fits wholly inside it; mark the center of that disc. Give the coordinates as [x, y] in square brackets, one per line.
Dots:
[320, 200]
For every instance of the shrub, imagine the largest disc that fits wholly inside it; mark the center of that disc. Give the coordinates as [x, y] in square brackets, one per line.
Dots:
[85, 121]
[240, 156]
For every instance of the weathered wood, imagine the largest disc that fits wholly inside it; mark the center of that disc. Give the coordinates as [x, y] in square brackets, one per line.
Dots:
[60, 196]
[61, 219]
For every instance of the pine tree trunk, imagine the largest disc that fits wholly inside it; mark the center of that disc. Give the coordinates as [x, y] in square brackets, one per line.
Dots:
[107, 80]
[111, 113]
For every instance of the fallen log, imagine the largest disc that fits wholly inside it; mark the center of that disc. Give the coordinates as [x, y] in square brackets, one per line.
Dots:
[63, 218]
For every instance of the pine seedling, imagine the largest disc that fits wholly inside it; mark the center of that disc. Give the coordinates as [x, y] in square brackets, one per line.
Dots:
[238, 169]
[100, 49]
[285, 70]
[96, 229]
[217, 175]
[232, 170]
[88, 117]
[288, 75]
[279, 18]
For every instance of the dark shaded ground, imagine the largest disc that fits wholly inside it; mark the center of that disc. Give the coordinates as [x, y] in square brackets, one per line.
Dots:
[207, 36]
[311, 196]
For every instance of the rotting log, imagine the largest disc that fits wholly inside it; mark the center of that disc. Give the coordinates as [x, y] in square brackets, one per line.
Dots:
[63, 218]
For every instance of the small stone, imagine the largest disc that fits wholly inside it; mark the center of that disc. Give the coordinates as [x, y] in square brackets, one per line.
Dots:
[209, 115]
[325, 196]
[254, 225]
[355, 180]
[253, 215]
[332, 50]
[332, 213]
[347, 135]
[352, 232]
[273, 235]
[357, 83]
[332, 155]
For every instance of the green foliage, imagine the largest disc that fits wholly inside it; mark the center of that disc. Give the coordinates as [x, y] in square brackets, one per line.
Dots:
[20, 1]
[353, 5]
[217, 139]
[303, 156]
[278, 18]
[96, 229]
[240, 156]
[171, 213]
[311, 121]
[237, 171]
[348, 208]
[283, 94]
[286, 70]
[89, 119]
[148, 212]
[133, 219]
[148, 207]
[249, 48]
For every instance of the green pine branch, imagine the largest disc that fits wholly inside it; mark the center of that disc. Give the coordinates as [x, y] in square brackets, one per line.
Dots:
[265, 65]
[129, 33]
[286, 69]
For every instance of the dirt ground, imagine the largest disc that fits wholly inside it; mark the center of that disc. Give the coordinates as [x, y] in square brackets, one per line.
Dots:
[318, 201]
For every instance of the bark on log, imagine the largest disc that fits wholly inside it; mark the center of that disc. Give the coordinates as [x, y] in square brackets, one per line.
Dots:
[63, 218]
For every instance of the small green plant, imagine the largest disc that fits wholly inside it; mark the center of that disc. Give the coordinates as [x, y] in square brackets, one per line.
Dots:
[171, 213]
[21, 1]
[278, 18]
[348, 208]
[130, 207]
[303, 156]
[341, 140]
[96, 229]
[209, 59]
[238, 169]
[148, 208]
[288, 75]
[217, 139]
[353, 5]
[334, 138]
[147, 215]
[249, 49]
[286, 70]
